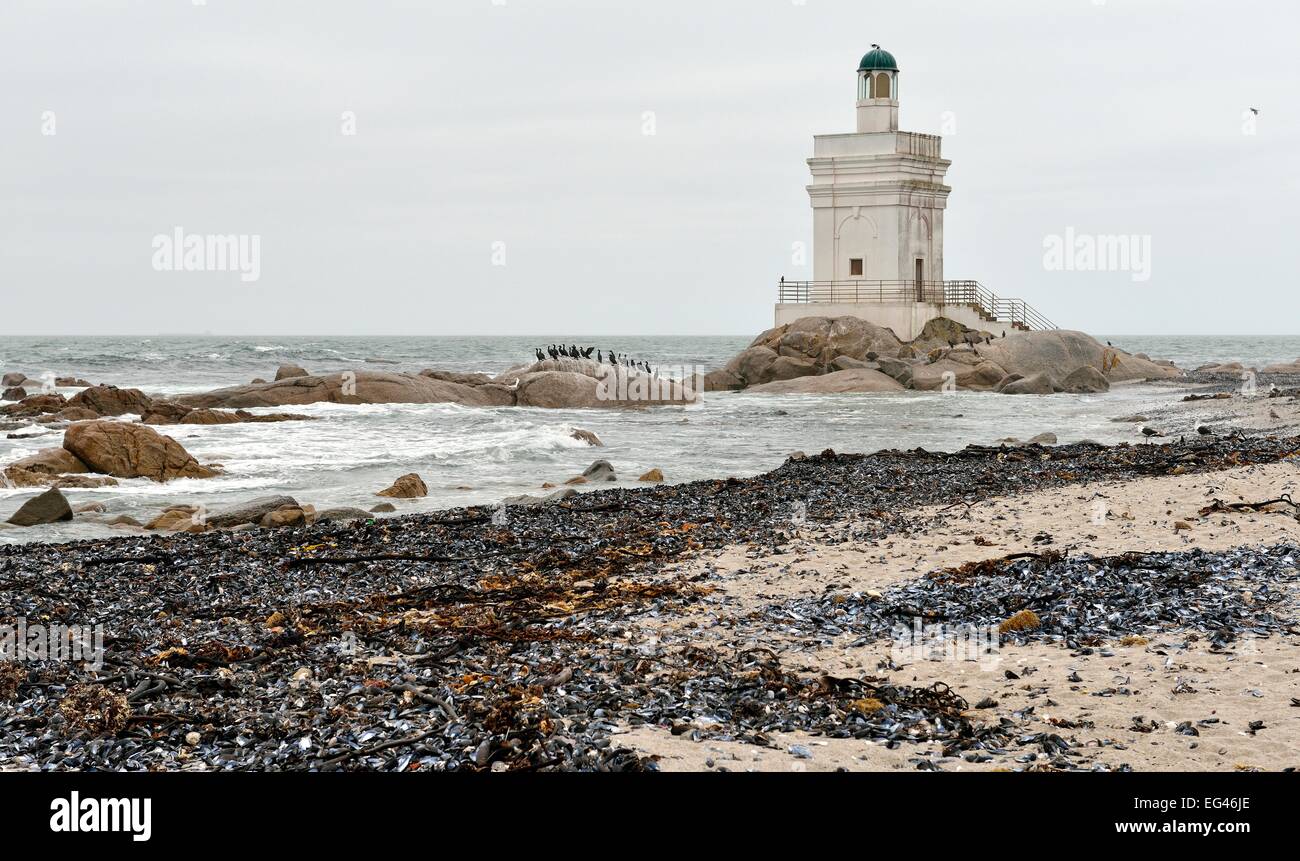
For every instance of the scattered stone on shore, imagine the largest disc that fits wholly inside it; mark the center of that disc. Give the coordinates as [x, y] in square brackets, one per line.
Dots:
[124, 520]
[286, 516]
[384, 508]
[49, 507]
[128, 450]
[409, 486]
[601, 470]
[89, 508]
[528, 501]
[586, 436]
[250, 511]
[342, 515]
[654, 475]
[183, 518]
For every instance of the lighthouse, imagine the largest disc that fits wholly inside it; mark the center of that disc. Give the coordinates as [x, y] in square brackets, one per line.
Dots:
[878, 194]
[878, 197]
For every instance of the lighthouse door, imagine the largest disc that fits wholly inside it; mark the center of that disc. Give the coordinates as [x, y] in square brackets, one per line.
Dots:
[920, 280]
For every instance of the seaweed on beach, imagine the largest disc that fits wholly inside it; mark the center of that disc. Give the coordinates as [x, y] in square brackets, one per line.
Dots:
[1081, 601]
[447, 642]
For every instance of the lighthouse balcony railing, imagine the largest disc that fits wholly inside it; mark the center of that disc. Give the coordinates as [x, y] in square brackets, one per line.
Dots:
[972, 294]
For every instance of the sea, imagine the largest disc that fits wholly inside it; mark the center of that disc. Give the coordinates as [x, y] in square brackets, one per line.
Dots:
[474, 456]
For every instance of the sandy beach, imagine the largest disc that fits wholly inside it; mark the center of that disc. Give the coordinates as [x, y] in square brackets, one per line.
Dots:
[740, 624]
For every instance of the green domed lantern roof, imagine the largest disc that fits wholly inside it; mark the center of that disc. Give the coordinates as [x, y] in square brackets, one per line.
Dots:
[878, 59]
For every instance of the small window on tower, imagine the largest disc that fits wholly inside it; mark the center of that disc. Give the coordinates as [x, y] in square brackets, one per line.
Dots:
[855, 266]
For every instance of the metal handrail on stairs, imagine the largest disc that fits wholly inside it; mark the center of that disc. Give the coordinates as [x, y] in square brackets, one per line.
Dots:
[990, 306]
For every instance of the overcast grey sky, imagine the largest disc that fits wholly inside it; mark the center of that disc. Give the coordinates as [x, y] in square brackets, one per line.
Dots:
[522, 123]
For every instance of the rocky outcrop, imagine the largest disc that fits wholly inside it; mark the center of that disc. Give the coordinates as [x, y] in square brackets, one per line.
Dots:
[806, 347]
[131, 451]
[49, 507]
[839, 382]
[16, 393]
[51, 461]
[789, 358]
[111, 401]
[168, 413]
[360, 387]
[1282, 368]
[35, 405]
[13, 378]
[654, 475]
[1061, 352]
[407, 487]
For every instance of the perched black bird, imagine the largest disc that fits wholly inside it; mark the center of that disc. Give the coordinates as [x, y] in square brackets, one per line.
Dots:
[600, 358]
[1004, 333]
[540, 357]
[586, 354]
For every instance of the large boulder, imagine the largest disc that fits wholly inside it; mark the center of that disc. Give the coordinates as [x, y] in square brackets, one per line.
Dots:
[359, 387]
[112, 401]
[839, 382]
[585, 384]
[409, 486]
[897, 369]
[982, 376]
[1086, 380]
[1060, 352]
[16, 393]
[1035, 384]
[792, 367]
[13, 378]
[52, 461]
[50, 507]
[131, 451]
[559, 390]
[600, 470]
[289, 372]
[251, 511]
[943, 332]
[822, 339]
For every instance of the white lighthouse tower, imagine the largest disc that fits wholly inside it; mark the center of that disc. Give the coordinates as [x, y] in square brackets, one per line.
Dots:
[878, 195]
[878, 199]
